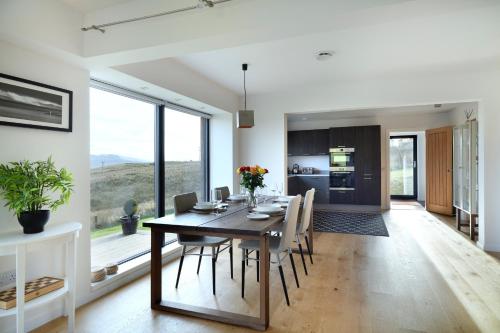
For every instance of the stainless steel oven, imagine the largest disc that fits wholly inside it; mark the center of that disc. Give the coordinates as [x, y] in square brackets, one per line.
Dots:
[341, 157]
[342, 178]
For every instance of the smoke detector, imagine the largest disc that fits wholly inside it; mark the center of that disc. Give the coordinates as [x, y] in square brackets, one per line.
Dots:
[324, 55]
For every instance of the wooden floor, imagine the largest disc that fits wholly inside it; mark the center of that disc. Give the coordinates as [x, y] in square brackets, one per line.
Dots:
[425, 277]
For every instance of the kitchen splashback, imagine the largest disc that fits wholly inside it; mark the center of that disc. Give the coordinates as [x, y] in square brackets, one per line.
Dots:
[319, 163]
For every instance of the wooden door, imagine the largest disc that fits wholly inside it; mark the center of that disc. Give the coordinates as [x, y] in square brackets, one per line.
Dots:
[439, 173]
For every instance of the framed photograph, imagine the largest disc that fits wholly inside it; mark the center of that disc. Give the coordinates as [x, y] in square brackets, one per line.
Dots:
[31, 104]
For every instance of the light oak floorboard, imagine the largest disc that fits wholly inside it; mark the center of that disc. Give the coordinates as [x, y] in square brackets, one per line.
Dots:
[425, 277]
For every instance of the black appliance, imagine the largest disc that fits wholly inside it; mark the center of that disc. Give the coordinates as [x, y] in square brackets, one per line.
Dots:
[341, 157]
[342, 178]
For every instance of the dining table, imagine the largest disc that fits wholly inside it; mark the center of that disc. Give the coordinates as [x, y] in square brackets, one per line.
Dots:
[230, 223]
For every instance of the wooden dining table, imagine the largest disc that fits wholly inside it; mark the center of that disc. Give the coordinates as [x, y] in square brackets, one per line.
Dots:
[232, 223]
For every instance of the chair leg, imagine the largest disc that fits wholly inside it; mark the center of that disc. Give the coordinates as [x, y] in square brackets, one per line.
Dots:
[309, 249]
[246, 256]
[293, 267]
[214, 259]
[180, 266]
[284, 284]
[199, 260]
[301, 254]
[217, 253]
[258, 264]
[231, 257]
[243, 273]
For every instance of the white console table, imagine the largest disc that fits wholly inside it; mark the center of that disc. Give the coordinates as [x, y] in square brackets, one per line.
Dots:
[20, 245]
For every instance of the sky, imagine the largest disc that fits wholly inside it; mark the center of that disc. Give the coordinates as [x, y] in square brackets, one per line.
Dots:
[124, 126]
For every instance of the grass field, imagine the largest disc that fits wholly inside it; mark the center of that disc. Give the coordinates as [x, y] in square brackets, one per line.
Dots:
[397, 186]
[113, 185]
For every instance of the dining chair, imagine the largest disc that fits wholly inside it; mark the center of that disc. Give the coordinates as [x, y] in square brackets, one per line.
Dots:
[277, 246]
[224, 191]
[183, 203]
[302, 226]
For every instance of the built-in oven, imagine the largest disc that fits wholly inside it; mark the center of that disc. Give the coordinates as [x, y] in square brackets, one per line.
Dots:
[341, 157]
[342, 178]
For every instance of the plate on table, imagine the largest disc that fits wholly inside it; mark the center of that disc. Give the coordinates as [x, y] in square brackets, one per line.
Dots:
[204, 206]
[268, 209]
[257, 216]
[237, 197]
[285, 198]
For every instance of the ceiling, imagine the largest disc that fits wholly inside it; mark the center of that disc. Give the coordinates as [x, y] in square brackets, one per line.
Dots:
[86, 6]
[403, 110]
[431, 42]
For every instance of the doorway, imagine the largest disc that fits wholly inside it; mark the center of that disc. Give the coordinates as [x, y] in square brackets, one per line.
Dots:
[403, 175]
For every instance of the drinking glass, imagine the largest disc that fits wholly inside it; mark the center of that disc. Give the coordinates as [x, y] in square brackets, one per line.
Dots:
[216, 200]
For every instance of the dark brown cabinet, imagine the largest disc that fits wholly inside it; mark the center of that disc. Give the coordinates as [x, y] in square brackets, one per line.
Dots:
[341, 197]
[367, 162]
[301, 184]
[342, 137]
[305, 143]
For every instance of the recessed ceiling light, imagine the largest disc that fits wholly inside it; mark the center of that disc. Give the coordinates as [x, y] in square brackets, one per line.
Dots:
[324, 55]
[305, 118]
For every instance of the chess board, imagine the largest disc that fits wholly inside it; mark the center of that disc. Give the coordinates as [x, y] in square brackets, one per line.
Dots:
[32, 289]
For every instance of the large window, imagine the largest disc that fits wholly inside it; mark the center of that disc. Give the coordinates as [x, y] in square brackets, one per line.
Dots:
[184, 170]
[123, 135]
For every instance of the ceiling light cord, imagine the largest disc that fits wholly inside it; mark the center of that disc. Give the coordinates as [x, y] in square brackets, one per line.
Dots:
[201, 4]
[245, 87]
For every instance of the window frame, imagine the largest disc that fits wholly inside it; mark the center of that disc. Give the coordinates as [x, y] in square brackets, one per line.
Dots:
[159, 145]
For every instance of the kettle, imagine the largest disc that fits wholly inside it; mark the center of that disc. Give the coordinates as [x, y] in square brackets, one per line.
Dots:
[295, 169]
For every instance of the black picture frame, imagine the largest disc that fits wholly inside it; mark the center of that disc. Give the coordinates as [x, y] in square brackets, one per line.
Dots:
[30, 104]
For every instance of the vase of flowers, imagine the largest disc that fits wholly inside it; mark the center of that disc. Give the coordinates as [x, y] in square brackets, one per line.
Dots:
[252, 177]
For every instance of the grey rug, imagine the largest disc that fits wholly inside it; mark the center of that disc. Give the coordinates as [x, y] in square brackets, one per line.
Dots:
[350, 223]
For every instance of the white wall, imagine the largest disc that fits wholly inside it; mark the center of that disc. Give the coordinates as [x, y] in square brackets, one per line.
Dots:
[70, 150]
[265, 143]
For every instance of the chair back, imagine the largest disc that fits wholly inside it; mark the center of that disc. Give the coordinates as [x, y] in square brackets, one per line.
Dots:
[290, 223]
[306, 211]
[225, 192]
[184, 202]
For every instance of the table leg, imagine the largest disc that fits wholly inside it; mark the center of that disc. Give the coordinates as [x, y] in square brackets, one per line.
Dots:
[157, 239]
[20, 281]
[264, 280]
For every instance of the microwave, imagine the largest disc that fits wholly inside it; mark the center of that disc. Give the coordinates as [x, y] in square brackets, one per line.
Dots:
[341, 157]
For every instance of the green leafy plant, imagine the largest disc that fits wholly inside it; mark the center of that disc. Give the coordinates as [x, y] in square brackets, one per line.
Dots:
[31, 186]
[130, 208]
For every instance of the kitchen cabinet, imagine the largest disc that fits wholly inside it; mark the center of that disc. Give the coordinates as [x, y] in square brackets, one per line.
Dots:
[305, 143]
[341, 197]
[301, 184]
[367, 163]
[320, 184]
[342, 137]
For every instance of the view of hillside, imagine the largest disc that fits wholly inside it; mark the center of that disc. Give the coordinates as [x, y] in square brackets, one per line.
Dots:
[113, 185]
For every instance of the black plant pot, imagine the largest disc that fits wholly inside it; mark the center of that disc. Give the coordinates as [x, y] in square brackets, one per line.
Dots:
[129, 224]
[33, 222]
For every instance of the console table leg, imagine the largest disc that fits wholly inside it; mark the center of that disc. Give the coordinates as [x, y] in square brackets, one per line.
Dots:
[70, 278]
[20, 282]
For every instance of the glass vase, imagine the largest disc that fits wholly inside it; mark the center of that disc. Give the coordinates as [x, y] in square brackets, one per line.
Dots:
[251, 200]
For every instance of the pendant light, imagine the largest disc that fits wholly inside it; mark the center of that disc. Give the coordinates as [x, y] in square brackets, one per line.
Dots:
[244, 118]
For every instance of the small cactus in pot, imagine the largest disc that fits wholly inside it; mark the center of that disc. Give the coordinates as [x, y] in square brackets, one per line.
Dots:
[131, 219]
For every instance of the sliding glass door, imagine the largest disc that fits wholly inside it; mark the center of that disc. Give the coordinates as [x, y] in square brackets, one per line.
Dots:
[403, 155]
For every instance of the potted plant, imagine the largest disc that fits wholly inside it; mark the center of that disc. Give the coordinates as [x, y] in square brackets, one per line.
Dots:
[130, 220]
[33, 189]
[251, 178]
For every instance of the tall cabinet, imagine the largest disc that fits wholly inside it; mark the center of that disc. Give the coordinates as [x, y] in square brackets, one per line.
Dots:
[465, 173]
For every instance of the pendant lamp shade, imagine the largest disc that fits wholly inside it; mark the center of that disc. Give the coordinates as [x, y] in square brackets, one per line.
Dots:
[245, 118]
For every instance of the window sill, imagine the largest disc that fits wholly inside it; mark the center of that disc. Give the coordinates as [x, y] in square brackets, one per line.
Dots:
[137, 267]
